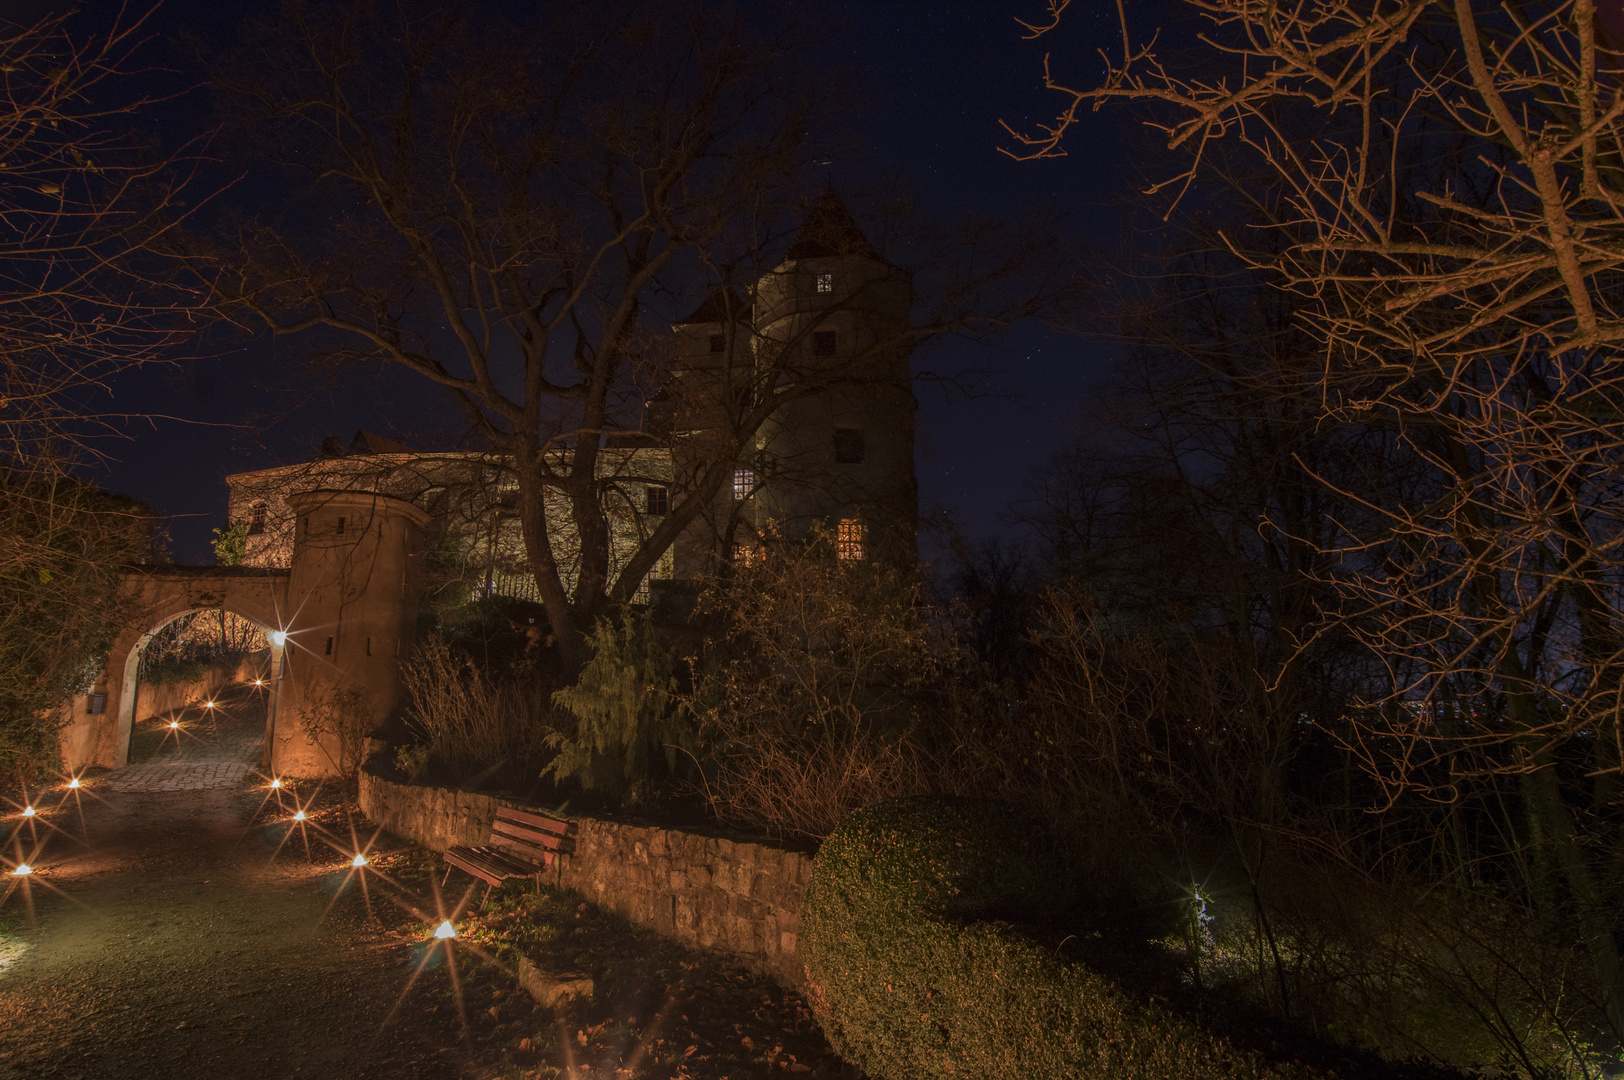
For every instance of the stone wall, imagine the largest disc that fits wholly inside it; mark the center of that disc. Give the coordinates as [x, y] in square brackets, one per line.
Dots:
[741, 897]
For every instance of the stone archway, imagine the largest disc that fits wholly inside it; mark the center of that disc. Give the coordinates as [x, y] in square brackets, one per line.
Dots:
[347, 607]
[158, 596]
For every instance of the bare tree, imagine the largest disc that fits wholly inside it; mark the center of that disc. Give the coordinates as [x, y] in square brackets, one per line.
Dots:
[87, 293]
[504, 208]
[1451, 222]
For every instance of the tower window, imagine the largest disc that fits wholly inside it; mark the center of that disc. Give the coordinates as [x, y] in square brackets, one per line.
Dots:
[824, 342]
[744, 483]
[848, 446]
[659, 500]
[849, 539]
[256, 519]
[341, 526]
[826, 283]
[330, 640]
[718, 343]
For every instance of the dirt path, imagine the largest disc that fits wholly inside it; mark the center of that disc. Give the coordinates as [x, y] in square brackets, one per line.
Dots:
[164, 936]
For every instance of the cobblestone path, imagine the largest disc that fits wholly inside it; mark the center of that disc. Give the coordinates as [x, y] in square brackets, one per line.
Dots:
[212, 749]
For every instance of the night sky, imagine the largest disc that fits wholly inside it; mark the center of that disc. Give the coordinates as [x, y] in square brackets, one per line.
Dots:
[936, 78]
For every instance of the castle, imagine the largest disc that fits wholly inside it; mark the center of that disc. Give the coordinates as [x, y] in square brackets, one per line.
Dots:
[801, 392]
[838, 450]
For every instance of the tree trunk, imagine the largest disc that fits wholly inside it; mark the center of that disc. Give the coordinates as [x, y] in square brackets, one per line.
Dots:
[538, 548]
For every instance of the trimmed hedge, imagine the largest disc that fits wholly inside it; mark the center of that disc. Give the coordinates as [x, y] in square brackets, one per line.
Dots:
[911, 981]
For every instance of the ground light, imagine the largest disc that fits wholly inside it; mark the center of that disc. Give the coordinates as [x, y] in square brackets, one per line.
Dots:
[359, 860]
[74, 782]
[276, 784]
[445, 930]
[23, 870]
[28, 811]
[299, 815]
[174, 725]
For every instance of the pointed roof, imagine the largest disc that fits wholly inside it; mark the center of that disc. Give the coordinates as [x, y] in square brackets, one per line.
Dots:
[716, 307]
[829, 229]
[365, 442]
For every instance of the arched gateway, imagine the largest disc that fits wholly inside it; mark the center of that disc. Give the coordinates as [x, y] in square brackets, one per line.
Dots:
[339, 621]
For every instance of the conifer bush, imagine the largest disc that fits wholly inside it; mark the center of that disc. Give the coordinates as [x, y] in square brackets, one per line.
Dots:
[917, 973]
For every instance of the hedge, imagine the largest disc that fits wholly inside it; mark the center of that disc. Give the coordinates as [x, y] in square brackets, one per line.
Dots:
[914, 974]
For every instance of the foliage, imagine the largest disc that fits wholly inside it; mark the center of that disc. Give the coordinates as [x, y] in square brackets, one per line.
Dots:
[475, 724]
[627, 719]
[912, 979]
[230, 543]
[412, 761]
[819, 685]
[62, 544]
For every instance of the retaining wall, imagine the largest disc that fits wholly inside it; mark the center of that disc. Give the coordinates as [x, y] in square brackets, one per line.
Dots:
[739, 896]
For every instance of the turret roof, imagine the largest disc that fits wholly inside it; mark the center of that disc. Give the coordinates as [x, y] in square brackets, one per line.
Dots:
[716, 307]
[829, 229]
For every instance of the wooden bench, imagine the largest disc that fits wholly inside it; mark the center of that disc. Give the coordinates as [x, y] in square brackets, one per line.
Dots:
[522, 843]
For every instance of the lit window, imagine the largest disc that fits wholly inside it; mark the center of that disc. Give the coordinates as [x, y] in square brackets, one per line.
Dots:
[848, 446]
[826, 283]
[659, 500]
[96, 703]
[718, 343]
[748, 554]
[824, 342]
[744, 483]
[849, 539]
[256, 519]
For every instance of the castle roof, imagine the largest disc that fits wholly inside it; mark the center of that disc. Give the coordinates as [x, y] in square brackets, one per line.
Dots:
[365, 442]
[829, 229]
[716, 308]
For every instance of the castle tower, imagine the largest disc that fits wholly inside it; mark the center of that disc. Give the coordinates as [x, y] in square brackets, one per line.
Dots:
[354, 580]
[711, 387]
[834, 317]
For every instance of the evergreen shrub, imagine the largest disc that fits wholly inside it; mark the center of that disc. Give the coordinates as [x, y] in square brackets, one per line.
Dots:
[916, 973]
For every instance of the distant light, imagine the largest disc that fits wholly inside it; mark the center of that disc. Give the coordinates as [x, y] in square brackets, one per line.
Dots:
[278, 638]
[28, 811]
[174, 725]
[259, 682]
[23, 870]
[276, 783]
[298, 815]
[359, 860]
[445, 931]
[208, 704]
[74, 782]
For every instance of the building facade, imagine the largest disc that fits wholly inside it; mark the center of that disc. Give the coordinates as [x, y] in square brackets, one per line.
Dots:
[799, 393]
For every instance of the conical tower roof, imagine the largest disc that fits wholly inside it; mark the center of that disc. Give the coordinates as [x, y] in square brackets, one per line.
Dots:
[717, 307]
[829, 229]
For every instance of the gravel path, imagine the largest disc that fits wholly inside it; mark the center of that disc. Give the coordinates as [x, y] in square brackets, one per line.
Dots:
[165, 936]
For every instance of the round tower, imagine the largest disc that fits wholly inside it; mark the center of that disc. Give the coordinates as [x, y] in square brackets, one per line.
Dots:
[353, 590]
[833, 319]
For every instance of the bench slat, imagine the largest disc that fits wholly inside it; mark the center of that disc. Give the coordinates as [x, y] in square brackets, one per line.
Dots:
[530, 836]
[531, 842]
[477, 867]
[552, 825]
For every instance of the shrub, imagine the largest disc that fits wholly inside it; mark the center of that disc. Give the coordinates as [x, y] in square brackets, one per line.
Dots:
[475, 725]
[822, 686]
[911, 980]
[625, 706]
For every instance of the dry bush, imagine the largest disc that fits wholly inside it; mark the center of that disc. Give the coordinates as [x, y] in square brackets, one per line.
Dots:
[821, 689]
[474, 725]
